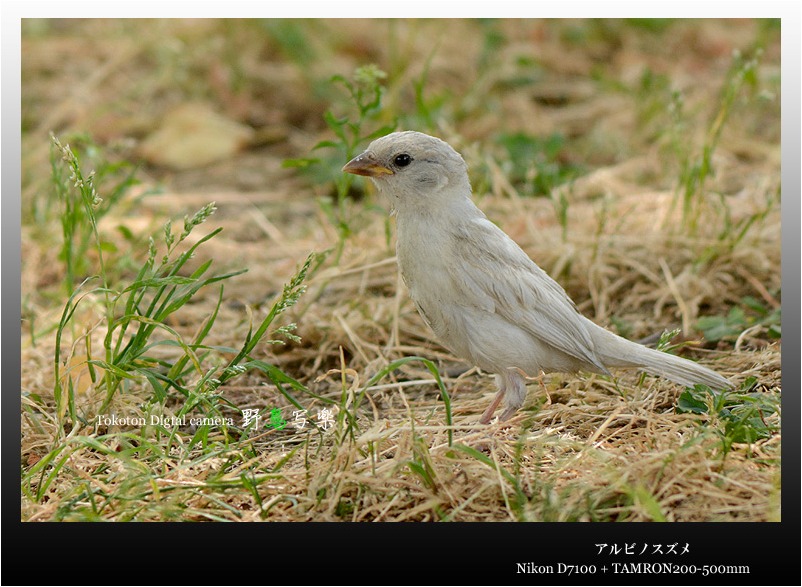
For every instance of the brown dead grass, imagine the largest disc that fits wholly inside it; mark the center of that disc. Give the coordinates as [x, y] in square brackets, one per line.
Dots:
[584, 447]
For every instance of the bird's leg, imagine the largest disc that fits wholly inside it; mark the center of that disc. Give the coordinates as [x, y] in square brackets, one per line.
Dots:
[501, 382]
[516, 388]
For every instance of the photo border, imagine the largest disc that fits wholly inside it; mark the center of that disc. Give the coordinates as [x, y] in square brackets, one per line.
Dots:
[395, 553]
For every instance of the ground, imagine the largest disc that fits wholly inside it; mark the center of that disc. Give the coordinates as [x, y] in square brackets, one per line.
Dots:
[636, 161]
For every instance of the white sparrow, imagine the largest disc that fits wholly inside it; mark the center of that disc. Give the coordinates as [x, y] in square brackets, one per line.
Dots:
[483, 297]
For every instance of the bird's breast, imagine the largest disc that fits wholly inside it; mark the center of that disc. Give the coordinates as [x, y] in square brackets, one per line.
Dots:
[423, 250]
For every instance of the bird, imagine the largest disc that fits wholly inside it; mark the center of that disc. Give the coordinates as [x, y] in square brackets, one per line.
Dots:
[483, 297]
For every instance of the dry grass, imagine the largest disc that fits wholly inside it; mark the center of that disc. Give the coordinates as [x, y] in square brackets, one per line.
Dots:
[584, 447]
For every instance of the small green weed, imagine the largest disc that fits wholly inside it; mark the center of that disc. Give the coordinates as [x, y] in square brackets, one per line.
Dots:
[536, 164]
[664, 343]
[738, 416]
[422, 465]
[135, 320]
[77, 203]
[140, 349]
[752, 314]
[365, 93]
[697, 169]
[652, 93]
[536, 167]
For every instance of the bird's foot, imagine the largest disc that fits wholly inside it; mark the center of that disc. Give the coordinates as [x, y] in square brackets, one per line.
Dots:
[508, 413]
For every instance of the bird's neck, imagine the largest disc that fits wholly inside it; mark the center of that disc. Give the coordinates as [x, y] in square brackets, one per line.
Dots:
[446, 207]
[425, 233]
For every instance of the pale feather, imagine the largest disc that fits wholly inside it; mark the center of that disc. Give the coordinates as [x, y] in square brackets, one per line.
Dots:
[481, 294]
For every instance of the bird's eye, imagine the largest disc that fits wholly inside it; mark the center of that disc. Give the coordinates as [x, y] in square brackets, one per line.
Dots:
[402, 160]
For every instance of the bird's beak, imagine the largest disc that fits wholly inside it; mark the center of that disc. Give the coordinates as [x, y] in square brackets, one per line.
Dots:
[366, 164]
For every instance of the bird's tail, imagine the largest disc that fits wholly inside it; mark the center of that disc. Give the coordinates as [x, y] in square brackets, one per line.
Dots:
[615, 351]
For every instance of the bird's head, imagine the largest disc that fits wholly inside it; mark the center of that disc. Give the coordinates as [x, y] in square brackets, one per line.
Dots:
[413, 168]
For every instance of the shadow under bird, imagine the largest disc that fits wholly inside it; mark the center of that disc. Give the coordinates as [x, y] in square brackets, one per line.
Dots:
[483, 297]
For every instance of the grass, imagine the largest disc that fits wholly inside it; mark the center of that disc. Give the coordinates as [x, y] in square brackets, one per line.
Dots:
[695, 171]
[365, 92]
[163, 381]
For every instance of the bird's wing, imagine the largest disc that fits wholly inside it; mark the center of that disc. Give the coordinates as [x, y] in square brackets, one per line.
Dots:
[499, 277]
